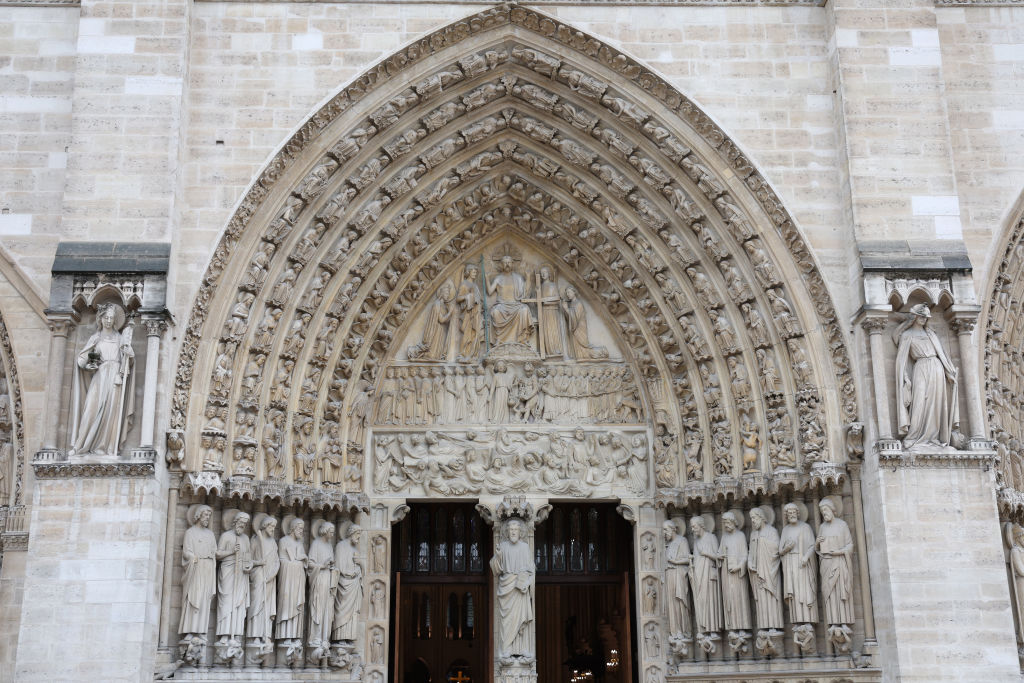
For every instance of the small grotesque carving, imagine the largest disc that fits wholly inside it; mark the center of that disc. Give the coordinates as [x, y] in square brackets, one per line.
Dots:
[103, 392]
[707, 595]
[199, 581]
[514, 570]
[348, 599]
[796, 548]
[926, 384]
[677, 572]
[234, 559]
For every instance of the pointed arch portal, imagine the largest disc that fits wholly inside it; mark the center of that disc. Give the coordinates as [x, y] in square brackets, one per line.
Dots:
[343, 291]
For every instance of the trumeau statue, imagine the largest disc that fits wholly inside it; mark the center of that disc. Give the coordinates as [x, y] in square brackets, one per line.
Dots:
[733, 551]
[514, 570]
[707, 595]
[235, 564]
[348, 598]
[796, 548]
[103, 392]
[199, 583]
[926, 383]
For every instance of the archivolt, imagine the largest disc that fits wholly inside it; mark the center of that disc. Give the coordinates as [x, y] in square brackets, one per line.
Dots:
[13, 423]
[516, 122]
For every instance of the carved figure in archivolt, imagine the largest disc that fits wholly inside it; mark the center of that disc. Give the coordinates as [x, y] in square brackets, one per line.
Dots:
[580, 347]
[435, 331]
[765, 570]
[835, 553]
[511, 319]
[199, 583]
[291, 582]
[796, 548]
[513, 568]
[677, 572]
[263, 579]
[707, 594]
[348, 599]
[235, 563]
[471, 319]
[733, 551]
[323, 579]
[103, 390]
[926, 383]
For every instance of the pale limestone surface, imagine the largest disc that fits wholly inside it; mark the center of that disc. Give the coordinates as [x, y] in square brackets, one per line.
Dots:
[877, 120]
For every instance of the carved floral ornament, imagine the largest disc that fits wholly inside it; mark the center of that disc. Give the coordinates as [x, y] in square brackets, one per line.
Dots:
[516, 128]
[12, 425]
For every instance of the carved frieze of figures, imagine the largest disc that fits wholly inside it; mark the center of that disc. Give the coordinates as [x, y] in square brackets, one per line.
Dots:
[508, 392]
[461, 463]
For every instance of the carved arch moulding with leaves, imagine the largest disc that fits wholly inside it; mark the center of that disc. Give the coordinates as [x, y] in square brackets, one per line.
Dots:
[509, 126]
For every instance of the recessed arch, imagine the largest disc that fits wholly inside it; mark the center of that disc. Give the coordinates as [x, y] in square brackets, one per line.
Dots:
[627, 176]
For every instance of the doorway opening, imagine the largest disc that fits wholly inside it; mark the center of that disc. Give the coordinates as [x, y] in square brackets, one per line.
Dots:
[441, 608]
[585, 605]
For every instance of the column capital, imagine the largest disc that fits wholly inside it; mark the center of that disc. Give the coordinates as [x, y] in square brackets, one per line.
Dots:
[61, 324]
[874, 325]
[963, 325]
[155, 324]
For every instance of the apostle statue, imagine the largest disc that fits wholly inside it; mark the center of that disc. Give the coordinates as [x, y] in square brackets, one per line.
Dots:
[435, 331]
[348, 598]
[103, 393]
[199, 584]
[580, 347]
[733, 551]
[471, 320]
[926, 383]
[323, 577]
[707, 596]
[510, 317]
[677, 590]
[1014, 538]
[235, 558]
[765, 569]
[835, 550]
[548, 302]
[514, 569]
[291, 584]
[263, 581]
[796, 548]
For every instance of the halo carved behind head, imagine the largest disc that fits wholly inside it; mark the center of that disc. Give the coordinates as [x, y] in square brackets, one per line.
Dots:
[801, 509]
[736, 515]
[835, 502]
[195, 510]
[119, 314]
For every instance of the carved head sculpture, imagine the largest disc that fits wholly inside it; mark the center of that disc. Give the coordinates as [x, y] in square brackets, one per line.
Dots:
[352, 533]
[200, 514]
[325, 531]
[921, 313]
[239, 523]
[471, 272]
[109, 317]
[506, 264]
[267, 526]
[515, 529]
[830, 507]
[669, 529]
[570, 293]
[729, 521]
[697, 524]
[297, 529]
[545, 273]
[791, 513]
[757, 519]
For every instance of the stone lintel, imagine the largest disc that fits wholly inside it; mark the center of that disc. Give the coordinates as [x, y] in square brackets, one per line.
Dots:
[914, 256]
[112, 257]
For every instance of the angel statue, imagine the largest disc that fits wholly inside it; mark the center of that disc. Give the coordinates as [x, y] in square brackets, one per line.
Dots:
[103, 392]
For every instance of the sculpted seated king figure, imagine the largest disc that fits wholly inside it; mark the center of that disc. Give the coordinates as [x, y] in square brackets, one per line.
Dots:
[511, 319]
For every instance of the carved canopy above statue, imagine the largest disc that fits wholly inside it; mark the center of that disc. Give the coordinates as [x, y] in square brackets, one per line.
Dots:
[339, 276]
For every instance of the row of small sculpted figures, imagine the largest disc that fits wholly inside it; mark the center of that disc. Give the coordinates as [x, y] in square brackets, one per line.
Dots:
[773, 567]
[268, 589]
[503, 393]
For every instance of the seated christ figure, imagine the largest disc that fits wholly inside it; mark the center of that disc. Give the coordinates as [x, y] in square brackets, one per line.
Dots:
[510, 317]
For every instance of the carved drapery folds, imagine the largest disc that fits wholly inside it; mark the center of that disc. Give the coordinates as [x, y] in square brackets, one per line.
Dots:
[674, 260]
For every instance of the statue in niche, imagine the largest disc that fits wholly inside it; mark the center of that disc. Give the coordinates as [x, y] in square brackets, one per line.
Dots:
[510, 317]
[548, 301]
[323, 579]
[263, 582]
[435, 332]
[576, 325]
[652, 641]
[348, 598]
[926, 383]
[103, 392]
[378, 554]
[291, 583]
[235, 563]
[765, 568]
[707, 595]
[677, 571]
[471, 321]
[377, 598]
[199, 582]
[796, 548]
[733, 551]
[1013, 534]
[835, 553]
[513, 568]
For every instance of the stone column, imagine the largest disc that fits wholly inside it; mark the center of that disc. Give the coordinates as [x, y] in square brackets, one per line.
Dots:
[963, 325]
[154, 328]
[60, 327]
[874, 325]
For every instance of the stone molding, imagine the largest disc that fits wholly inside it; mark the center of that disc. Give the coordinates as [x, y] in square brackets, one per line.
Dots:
[979, 3]
[52, 465]
[939, 459]
[612, 3]
[40, 3]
